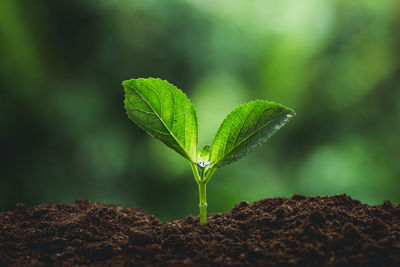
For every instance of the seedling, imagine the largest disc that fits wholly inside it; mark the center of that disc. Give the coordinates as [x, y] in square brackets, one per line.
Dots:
[165, 112]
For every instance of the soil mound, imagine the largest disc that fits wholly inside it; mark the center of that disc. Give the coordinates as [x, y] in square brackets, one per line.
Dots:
[317, 231]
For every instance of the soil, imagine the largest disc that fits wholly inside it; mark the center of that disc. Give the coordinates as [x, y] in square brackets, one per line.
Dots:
[316, 231]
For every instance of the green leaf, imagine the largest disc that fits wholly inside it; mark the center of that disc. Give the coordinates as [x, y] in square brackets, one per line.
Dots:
[204, 153]
[203, 156]
[163, 111]
[246, 128]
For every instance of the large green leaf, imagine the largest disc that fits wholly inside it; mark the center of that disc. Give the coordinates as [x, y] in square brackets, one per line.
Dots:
[246, 128]
[163, 111]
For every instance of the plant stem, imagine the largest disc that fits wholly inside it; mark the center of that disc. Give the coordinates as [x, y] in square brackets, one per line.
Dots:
[203, 203]
[202, 181]
[195, 172]
[209, 175]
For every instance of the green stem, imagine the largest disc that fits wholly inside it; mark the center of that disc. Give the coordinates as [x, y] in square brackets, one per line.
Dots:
[202, 181]
[209, 175]
[195, 172]
[203, 203]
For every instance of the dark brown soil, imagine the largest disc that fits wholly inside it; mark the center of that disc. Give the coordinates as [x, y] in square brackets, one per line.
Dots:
[318, 231]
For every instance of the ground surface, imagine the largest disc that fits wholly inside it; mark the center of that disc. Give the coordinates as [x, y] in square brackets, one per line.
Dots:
[330, 231]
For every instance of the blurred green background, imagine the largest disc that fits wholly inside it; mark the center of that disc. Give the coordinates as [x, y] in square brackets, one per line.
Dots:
[65, 135]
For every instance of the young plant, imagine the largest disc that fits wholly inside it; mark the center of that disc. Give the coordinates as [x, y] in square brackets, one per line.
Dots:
[164, 112]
